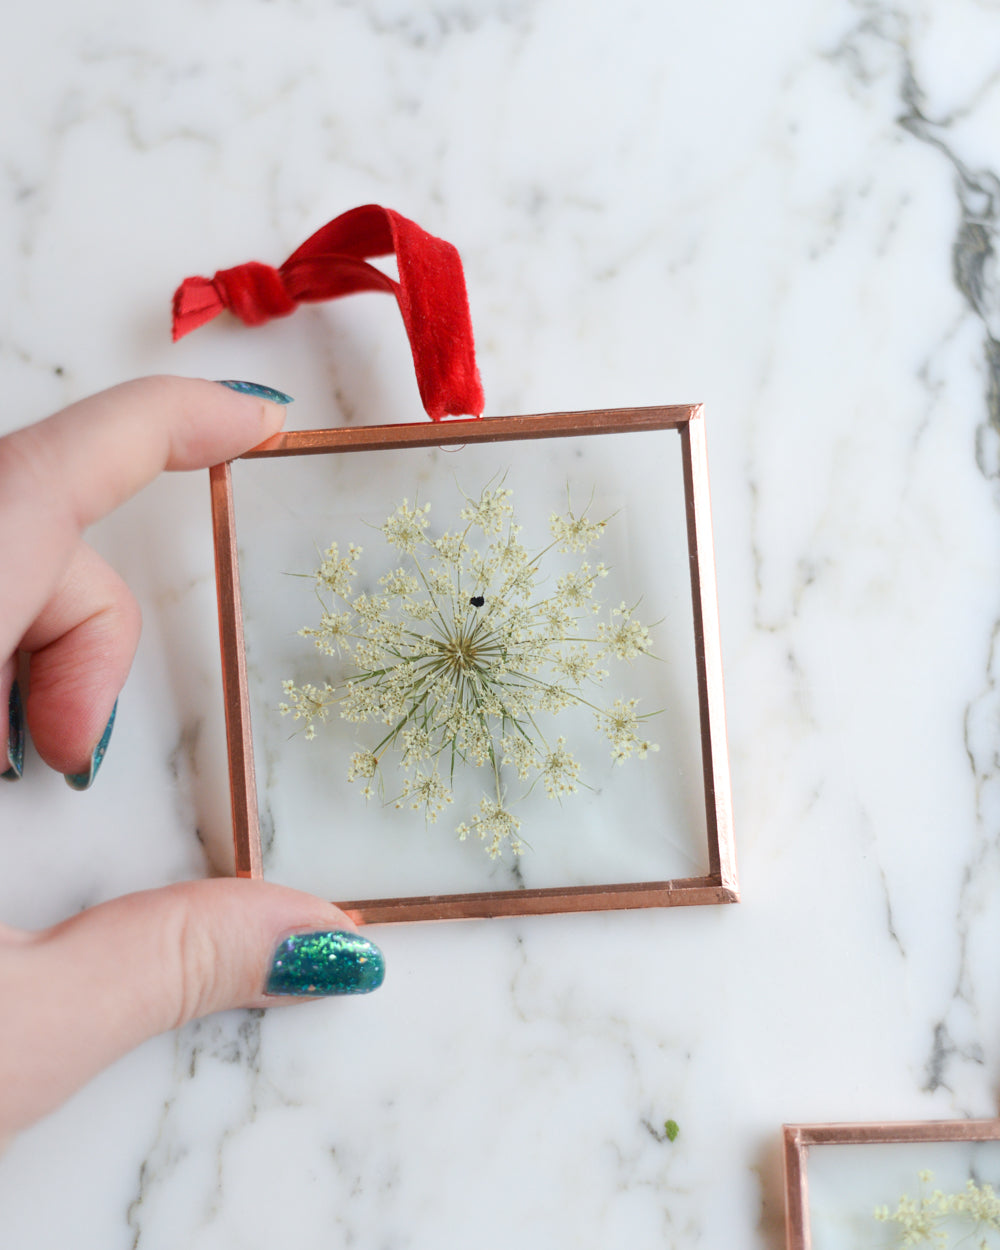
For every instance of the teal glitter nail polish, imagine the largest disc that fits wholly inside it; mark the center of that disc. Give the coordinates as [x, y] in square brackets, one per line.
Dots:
[254, 388]
[15, 735]
[320, 964]
[83, 781]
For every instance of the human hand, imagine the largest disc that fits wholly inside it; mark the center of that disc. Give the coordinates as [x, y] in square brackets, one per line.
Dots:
[77, 996]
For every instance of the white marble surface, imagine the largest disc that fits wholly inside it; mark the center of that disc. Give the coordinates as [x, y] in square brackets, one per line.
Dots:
[787, 211]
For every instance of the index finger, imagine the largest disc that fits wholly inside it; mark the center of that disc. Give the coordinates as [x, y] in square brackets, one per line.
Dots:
[61, 475]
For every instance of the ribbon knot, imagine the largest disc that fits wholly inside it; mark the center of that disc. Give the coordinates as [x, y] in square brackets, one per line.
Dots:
[254, 292]
[430, 292]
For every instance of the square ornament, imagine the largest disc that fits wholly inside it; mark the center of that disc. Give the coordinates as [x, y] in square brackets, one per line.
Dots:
[652, 832]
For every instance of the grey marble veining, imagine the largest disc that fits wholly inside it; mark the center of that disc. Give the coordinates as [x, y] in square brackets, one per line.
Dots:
[788, 213]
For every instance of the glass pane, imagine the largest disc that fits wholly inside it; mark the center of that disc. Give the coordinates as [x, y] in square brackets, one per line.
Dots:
[636, 821]
[848, 1182]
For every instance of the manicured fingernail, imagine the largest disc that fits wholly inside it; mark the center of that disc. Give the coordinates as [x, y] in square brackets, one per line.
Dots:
[83, 781]
[15, 735]
[320, 964]
[262, 392]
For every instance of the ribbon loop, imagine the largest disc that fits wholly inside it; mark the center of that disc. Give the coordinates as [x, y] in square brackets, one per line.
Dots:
[331, 263]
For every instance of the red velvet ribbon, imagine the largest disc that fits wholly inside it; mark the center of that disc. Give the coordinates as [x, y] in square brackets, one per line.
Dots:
[430, 292]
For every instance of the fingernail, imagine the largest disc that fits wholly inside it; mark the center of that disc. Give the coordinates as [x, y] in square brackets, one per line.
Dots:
[262, 392]
[320, 964]
[83, 781]
[15, 735]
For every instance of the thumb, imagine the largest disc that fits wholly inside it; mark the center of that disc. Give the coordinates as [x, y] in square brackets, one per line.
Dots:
[83, 993]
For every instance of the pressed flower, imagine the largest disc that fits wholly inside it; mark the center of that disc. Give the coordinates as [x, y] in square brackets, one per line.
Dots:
[336, 571]
[576, 533]
[973, 1213]
[623, 636]
[494, 826]
[560, 771]
[405, 527]
[464, 654]
[490, 512]
[425, 790]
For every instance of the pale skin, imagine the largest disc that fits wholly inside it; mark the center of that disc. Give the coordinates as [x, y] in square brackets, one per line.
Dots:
[119, 973]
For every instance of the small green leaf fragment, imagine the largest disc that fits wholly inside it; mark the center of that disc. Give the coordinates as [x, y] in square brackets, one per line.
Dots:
[671, 1128]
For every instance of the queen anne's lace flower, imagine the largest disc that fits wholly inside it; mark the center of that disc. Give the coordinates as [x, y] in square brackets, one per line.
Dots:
[425, 790]
[405, 528]
[363, 764]
[576, 533]
[462, 655]
[520, 752]
[490, 511]
[973, 1214]
[576, 589]
[336, 571]
[399, 582]
[623, 637]
[334, 633]
[621, 724]
[452, 548]
[579, 663]
[560, 771]
[495, 826]
[308, 703]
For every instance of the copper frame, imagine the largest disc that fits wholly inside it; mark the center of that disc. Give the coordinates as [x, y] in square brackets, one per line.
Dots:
[799, 1137]
[720, 885]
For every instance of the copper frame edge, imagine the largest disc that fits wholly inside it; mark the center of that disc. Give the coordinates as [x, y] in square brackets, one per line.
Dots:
[239, 736]
[720, 885]
[477, 430]
[799, 1137]
[797, 1236]
[684, 892]
[708, 650]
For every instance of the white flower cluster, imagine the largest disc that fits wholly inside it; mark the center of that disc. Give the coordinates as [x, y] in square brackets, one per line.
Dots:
[924, 1221]
[461, 654]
